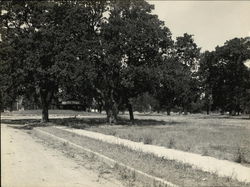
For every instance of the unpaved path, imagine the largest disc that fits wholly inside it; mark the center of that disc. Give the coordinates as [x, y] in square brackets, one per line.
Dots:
[222, 168]
[26, 163]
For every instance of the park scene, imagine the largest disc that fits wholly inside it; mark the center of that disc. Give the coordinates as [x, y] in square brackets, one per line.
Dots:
[104, 93]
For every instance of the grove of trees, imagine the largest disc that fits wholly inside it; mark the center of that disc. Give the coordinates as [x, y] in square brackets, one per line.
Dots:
[118, 54]
[225, 77]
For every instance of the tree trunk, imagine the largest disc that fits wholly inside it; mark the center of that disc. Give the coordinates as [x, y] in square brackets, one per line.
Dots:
[111, 116]
[131, 113]
[168, 111]
[208, 101]
[232, 113]
[222, 112]
[100, 109]
[208, 109]
[115, 111]
[45, 113]
[185, 111]
[45, 97]
[112, 112]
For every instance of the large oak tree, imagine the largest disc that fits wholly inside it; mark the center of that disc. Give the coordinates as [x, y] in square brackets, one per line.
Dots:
[42, 44]
[132, 41]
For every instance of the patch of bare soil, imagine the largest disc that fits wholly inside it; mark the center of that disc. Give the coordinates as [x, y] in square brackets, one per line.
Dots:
[172, 171]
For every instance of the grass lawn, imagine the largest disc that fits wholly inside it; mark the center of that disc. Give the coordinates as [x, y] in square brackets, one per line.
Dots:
[223, 137]
[217, 136]
[175, 172]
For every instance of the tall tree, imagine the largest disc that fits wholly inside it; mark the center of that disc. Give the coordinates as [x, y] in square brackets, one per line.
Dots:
[169, 82]
[42, 44]
[178, 83]
[188, 55]
[132, 40]
[26, 49]
[207, 77]
[227, 76]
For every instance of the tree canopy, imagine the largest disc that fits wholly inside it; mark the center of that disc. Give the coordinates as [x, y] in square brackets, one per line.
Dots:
[226, 77]
[132, 41]
[41, 45]
[113, 53]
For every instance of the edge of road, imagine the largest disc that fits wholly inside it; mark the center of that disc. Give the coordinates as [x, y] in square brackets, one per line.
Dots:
[139, 175]
[222, 168]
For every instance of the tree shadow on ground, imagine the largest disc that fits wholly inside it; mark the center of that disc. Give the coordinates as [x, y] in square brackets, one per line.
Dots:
[20, 121]
[26, 124]
[82, 123]
[71, 122]
[146, 122]
[240, 117]
[149, 114]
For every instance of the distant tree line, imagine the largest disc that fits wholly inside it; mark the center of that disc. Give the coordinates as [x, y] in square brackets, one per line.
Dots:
[225, 79]
[117, 54]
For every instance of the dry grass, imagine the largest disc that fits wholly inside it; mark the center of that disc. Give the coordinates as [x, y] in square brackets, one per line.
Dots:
[172, 171]
[223, 137]
[220, 137]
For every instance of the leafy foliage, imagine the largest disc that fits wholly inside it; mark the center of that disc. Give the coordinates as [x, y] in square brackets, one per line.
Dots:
[42, 44]
[178, 84]
[114, 53]
[131, 41]
[226, 77]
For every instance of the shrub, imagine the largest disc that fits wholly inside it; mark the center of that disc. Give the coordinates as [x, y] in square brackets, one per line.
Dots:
[240, 156]
[171, 143]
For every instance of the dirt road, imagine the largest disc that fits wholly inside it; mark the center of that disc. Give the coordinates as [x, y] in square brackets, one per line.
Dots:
[26, 163]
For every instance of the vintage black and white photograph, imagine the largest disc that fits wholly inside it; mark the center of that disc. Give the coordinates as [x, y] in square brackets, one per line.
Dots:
[125, 93]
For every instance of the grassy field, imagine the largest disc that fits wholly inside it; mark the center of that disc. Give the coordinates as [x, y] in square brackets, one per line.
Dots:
[223, 137]
[216, 136]
[172, 171]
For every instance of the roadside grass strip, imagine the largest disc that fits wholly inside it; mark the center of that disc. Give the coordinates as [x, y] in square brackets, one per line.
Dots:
[222, 168]
[155, 181]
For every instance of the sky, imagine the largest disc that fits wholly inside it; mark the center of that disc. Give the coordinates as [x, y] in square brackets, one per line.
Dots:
[211, 22]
